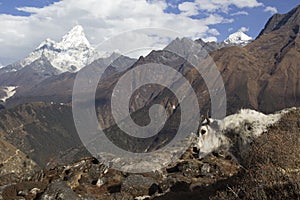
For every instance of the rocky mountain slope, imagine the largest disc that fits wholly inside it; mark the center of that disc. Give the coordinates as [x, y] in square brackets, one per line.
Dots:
[279, 21]
[43, 132]
[264, 75]
[58, 88]
[265, 171]
[29, 75]
[15, 165]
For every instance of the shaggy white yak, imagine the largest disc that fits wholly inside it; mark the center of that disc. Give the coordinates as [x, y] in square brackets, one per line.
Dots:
[234, 132]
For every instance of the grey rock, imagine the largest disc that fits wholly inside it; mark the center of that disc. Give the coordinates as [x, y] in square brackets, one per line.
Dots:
[205, 169]
[189, 169]
[137, 185]
[59, 190]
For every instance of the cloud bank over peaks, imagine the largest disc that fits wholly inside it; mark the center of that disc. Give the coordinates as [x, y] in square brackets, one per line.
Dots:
[197, 6]
[101, 19]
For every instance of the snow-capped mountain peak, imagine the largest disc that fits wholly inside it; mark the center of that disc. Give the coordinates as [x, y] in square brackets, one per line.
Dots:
[47, 43]
[239, 38]
[75, 38]
[71, 54]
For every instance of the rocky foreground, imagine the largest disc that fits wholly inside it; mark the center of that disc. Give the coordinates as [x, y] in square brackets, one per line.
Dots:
[270, 170]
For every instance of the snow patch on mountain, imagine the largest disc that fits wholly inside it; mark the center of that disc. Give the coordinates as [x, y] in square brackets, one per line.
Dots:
[10, 92]
[71, 54]
[239, 38]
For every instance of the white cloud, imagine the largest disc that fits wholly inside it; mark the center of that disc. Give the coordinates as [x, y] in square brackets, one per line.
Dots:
[272, 10]
[188, 9]
[243, 29]
[239, 13]
[172, 5]
[192, 8]
[215, 19]
[230, 29]
[101, 19]
[210, 39]
[213, 31]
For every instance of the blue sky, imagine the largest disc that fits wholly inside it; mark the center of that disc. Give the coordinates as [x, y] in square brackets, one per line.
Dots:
[26, 23]
[9, 6]
[254, 20]
[257, 19]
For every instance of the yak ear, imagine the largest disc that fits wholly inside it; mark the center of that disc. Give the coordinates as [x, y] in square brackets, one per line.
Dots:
[202, 118]
[207, 120]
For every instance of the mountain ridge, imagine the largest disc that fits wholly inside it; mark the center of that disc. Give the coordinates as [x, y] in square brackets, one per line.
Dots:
[277, 21]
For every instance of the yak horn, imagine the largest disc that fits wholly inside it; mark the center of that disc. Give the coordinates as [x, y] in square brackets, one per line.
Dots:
[207, 118]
